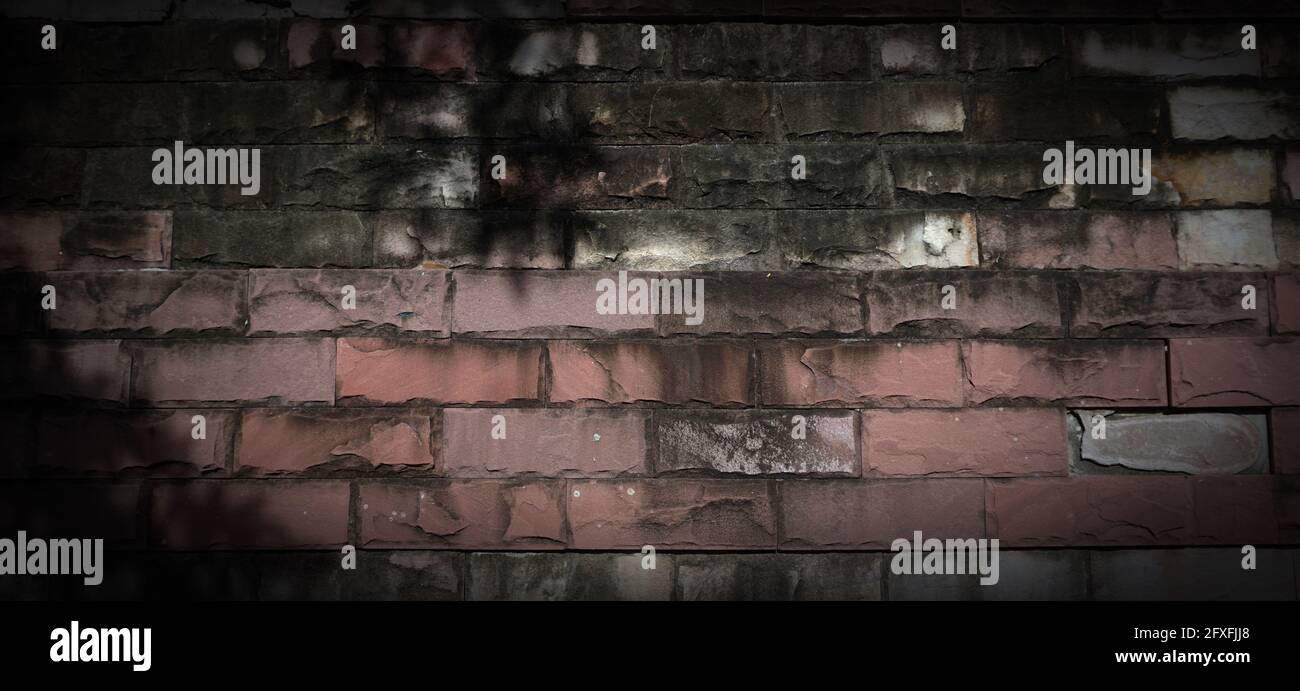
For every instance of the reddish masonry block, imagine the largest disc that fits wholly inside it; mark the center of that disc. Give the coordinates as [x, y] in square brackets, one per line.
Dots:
[531, 304]
[1285, 423]
[463, 514]
[1234, 371]
[591, 443]
[978, 441]
[629, 372]
[286, 301]
[97, 370]
[1091, 510]
[812, 303]
[118, 240]
[30, 241]
[1107, 373]
[312, 42]
[681, 513]
[273, 370]
[1074, 240]
[253, 514]
[161, 442]
[984, 303]
[372, 370]
[149, 302]
[884, 373]
[275, 442]
[1235, 509]
[1286, 303]
[1130, 305]
[442, 50]
[871, 515]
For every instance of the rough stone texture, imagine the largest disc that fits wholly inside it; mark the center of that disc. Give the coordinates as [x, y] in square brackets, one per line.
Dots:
[978, 442]
[93, 241]
[1196, 444]
[322, 441]
[749, 175]
[1286, 238]
[250, 515]
[1216, 112]
[92, 370]
[311, 301]
[1285, 423]
[990, 173]
[482, 514]
[1214, 178]
[985, 304]
[376, 371]
[1236, 240]
[550, 443]
[380, 575]
[1065, 372]
[1291, 174]
[756, 443]
[1165, 52]
[670, 514]
[275, 371]
[671, 240]
[1191, 574]
[871, 515]
[148, 303]
[584, 177]
[859, 241]
[205, 239]
[835, 111]
[366, 177]
[1165, 305]
[541, 304]
[1286, 303]
[638, 372]
[777, 52]
[983, 48]
[1022, 575]
[573, 576]
[1090, 510]
[672, 112]
[156, 442]
[438, 239]
[1245, 509]
[105, 511]
[1065, 240]
[779, 577]
[415, 111]
[582, 52]
[997, 114]
[877, 373]
[1234, 371]
[739, 302]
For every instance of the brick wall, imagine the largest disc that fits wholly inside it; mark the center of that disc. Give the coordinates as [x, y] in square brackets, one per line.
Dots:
[377, 425]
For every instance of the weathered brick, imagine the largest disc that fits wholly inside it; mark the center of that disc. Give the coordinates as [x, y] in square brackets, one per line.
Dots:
[1064, 240]
[311, 301]
[671, 514]
[156, 442]
[878, 373]
[1277, 52]
[457, 239]
[999, 114]
[1091, 510]
[1191, 443]
[552, 443]
[1216, 112]
[619, 177]
[778, 52]
[1190, 574]
[95, 370]
[779, 577]
[747, 175]
[31, 241]
[664, 240]
[30, 175]
[871, 515]
[1077, 9]
[1234, 371]
[380, 575]
[1212, 178]
[306, 514]
[20, 303]
[985, 303]
[485, 9]
[278, 371]
[441, 50]
[1161, 305]
[1109, 373]
[740, 302]
[835, 111]
[580, 53]
[374, 177]
[990, 49]
[1166, 52]
[124, 240]
[253, 238]
[1286, 303]
[422, 111]
[529, 304]
[672, 113]
[1235, 510]
[372, 370]
[976, 442]
[1036, 575]
[1286, 237]
[606, 9]
[569, 576]
[149, 302]
[1285, 423]
[646, 371]
[463, 514]
[1002, 173]
[317, 46]
[68, 510]
[1245, 9]
[135, 11]
[1291, 175]
[864, 241]
[1237, 240]
[275, 442]
[756, 442]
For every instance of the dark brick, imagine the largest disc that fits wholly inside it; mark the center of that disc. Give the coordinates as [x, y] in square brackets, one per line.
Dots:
[278, 371]
[779, 577]
[760, 176]
[999, 115]
[470, 239]
[255, 238]
[778, 52]
[574, 52]
[756, 443]
[640, 177]
[836, 111]
[569, 576]
[156, 442]
[985, 303]
[1128, 305]
[819, 303]
[672, 113]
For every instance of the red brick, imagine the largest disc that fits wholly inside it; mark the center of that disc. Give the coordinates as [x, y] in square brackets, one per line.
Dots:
[273, 442]
[31, 241]
[1286, 304]
[908, 303]
[980, 442]
[881, 373]
[1130, 305]
[1091, 510]
[305, 514]
[443, 50]
[592, 443]
[532, 304]
[287, 301]
[1236, 509]
[71, 510]
[1075, 240]
[118, 240]
[1109, 373]
[463, 514]
[1285, 423]
[97, 370]
[681, 513]
[372, 370]
[160, 442]
[631, 372]
[311, 42]
[149, 302]
[1219, 372]
[273, 370]
[871, 515]
[820, 303]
